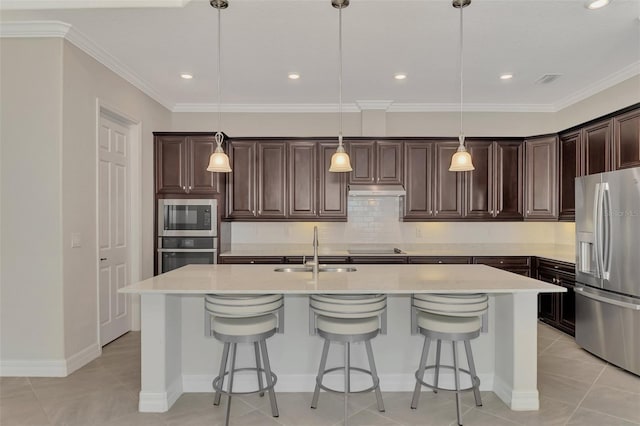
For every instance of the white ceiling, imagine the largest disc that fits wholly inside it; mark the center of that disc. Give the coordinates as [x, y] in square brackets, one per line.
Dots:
[263, 40]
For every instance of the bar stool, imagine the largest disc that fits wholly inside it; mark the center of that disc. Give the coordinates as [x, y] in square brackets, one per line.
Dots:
[454, 318]
[234, 319]
[347, 319]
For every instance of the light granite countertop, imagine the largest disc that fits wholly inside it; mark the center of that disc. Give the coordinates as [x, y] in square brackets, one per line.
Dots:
[561, 253]
[389, 279]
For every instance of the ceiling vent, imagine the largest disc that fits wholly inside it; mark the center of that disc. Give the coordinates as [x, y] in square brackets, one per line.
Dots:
[548, 78]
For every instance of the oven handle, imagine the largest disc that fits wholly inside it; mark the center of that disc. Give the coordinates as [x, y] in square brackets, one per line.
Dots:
[188, 250]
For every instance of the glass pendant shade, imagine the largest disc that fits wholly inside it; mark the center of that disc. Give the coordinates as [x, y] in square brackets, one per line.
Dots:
[340, 161]
[461, 160]
[219, 162]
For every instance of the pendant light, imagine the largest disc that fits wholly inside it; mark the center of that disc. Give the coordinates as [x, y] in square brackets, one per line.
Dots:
[461, 160]
[219, 162]
[340, 160]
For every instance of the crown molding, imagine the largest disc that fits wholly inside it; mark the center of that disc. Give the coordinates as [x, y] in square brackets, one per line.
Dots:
[264, 108]
[377, 105]
[32, 29]
[617, 77]
[435, 107]
[84, 4]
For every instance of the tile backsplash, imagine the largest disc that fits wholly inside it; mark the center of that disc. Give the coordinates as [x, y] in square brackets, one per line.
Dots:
[377, 220]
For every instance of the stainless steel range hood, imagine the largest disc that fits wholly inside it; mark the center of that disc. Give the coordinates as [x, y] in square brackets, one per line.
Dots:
[376, 191]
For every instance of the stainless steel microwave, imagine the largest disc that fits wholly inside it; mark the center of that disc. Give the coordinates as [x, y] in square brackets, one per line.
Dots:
[187, 218]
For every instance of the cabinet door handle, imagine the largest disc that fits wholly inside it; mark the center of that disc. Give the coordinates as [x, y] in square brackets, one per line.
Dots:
[184, 188]
[259, 212]
[439, 261]
[491, 211]
[528, 212]
[190, 187]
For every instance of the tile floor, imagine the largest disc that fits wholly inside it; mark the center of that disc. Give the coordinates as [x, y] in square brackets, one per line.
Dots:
[576, 388]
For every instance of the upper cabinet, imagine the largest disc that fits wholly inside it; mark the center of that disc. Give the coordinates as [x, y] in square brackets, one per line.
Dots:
[494, 188]
[375, 162]
[257, 184]
[418, 180]
[541, 178]
[596, 140]
[626, 140]
[447, 189]
[274, 180]
[570, 168]
[181, 165]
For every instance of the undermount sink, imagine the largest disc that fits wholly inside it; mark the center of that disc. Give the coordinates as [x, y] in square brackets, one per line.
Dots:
[322, 268]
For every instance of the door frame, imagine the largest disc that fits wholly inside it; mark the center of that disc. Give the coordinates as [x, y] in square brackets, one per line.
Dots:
[134, 229]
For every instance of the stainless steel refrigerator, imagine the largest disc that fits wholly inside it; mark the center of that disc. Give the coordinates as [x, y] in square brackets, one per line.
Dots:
[608, 266]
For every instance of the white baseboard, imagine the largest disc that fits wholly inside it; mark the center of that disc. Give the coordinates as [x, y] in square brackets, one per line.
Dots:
[84, 357]
[160, 402]
[306, 382]
[516, 400]
[33, 368]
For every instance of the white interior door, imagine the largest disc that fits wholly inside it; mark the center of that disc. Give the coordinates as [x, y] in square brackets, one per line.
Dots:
[113, 233]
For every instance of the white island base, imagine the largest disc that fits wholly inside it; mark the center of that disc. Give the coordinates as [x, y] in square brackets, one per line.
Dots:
[177, 357]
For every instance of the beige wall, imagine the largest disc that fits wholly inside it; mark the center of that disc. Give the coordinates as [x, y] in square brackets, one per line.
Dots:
[85, 79]
[31, 313]
[49, 290]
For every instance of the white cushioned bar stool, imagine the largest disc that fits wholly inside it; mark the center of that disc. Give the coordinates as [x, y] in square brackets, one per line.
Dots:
[347, 319]
[234, 319]
[454, 318]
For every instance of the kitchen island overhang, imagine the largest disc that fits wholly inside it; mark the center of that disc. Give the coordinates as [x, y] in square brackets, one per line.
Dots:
[176, 356]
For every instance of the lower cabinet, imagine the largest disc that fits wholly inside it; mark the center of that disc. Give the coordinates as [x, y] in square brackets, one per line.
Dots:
[440, 260]
[520, 265]
[246, 260]
[557, 309]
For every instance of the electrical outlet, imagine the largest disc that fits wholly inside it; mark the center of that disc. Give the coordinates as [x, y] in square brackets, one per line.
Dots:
[76, 240]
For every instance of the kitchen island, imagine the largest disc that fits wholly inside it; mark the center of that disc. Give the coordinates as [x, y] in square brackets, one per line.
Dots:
[177, 357]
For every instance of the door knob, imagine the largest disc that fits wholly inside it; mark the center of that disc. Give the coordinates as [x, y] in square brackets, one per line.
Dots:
[103, 258]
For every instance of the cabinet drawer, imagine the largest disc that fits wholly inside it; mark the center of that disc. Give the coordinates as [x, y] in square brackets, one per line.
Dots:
[554, 265]
[448, 260]
[378, 259]
[501, 262]
[322, 259]
[243, 260]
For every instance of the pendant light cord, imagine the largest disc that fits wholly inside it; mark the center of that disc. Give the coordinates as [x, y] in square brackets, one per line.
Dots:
[218, 134]
[340, 75]
[461, 72]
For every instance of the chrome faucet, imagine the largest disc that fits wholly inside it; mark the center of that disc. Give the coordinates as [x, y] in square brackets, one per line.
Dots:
[315, 263]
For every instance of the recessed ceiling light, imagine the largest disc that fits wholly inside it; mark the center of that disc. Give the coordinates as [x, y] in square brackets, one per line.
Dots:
[186, 76]
[596, 4]
[400, 76]
[293, 76]
[507, 76]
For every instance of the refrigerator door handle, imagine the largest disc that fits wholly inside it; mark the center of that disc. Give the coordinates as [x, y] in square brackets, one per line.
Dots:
[605, 219]
[627, 305]
[597, 227]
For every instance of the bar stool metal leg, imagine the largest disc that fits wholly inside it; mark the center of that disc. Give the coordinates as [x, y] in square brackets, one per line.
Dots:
[347, 381]
[323, 364]
[267, 369]
[374, 375]
[223, 368]
[456, 376]
[257, 352]
[472, 368]
[233, 367]
[437, 376]
[420, 374]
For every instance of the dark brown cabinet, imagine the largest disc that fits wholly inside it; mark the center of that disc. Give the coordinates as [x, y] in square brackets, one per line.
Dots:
[494, 188]
[440, 260]
[378, 259]
[257, 184]
[375, 162]
[570, 168]
[418, 178]
[279, 180]
[246, 260]
[541, 178]
[626, 140]
[517, 264]
[596, 140]
[181, 165]
[447, 186]
[557, 309]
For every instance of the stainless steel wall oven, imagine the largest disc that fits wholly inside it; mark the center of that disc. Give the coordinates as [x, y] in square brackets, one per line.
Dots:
[187, 233]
